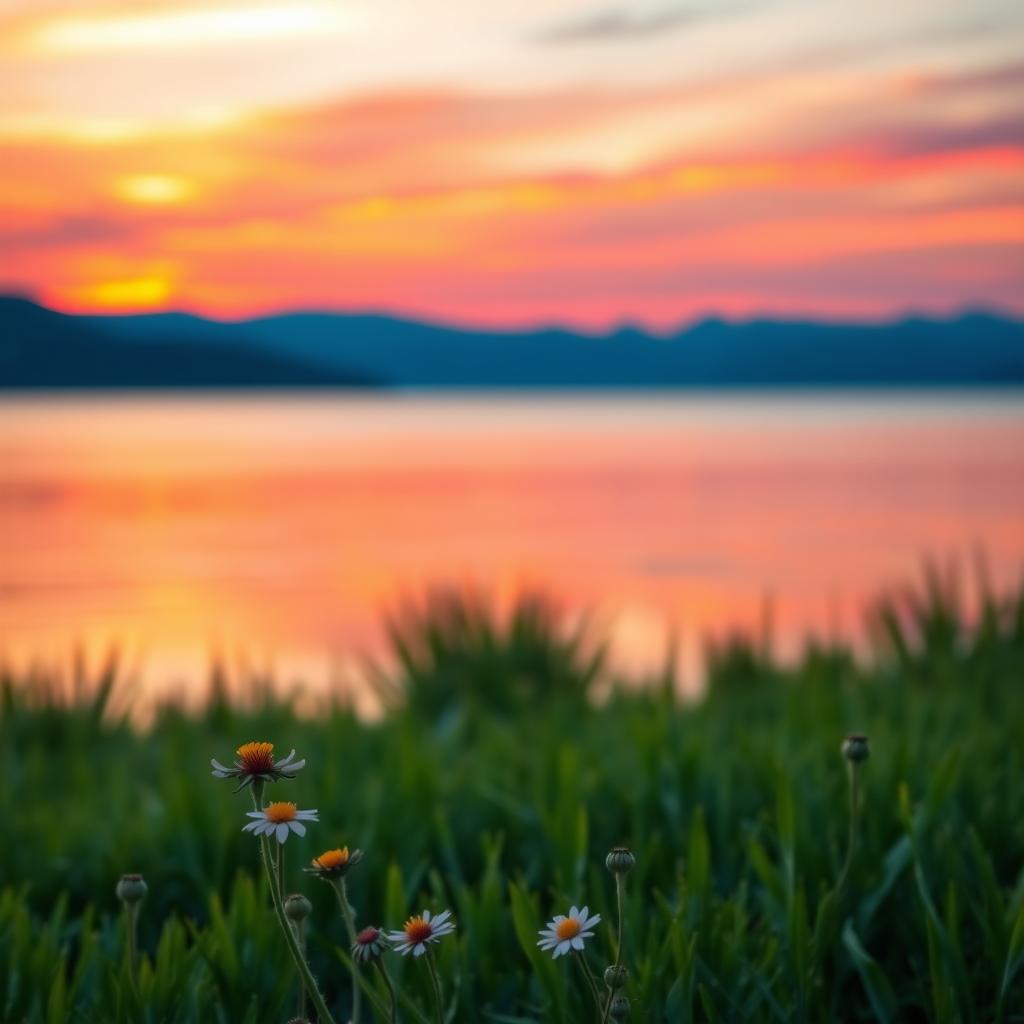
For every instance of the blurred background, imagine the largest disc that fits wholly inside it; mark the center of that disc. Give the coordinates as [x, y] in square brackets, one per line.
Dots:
[450, 391]
[694, 317]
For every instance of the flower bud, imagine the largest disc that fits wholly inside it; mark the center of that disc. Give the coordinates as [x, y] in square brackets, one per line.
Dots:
[615, 976]
[620, 860]
[131, 889]
[619, 1010]
[297, 907]
[855, 748]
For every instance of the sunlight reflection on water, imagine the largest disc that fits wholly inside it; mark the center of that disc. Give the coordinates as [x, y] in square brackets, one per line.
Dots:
[279, 528]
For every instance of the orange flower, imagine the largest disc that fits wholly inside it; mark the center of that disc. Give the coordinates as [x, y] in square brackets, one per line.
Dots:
[255, 761]
[335, 863]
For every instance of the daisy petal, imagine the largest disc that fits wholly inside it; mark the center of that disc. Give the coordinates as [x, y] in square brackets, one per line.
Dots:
[297, 827]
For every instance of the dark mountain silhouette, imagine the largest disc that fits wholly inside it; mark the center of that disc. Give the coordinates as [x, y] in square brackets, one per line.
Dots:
[43, 349]
[40, 348]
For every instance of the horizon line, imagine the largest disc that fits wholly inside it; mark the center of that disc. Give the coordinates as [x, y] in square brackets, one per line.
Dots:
[906, 315]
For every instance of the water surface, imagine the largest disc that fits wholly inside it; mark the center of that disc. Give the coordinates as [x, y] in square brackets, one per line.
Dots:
[278, 528]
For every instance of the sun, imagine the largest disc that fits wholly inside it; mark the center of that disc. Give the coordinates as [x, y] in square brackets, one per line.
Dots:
[154, 189]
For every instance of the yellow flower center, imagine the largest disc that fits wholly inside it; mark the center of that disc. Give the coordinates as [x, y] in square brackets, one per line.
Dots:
[256, 757]
[332, 859]
[567, 929]
[418, 930]
[280, 812]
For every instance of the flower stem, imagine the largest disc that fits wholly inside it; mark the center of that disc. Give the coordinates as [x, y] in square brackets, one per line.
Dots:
[374, 996]
[300, 941]
[280, 870]
[350, 925]
[620, 890]
[620, 886]
[851, 843]
[289, 938]
[592, 982]
[306, 980]
[131, 918]
[298, 929]
[438, 1000]
[391, 991]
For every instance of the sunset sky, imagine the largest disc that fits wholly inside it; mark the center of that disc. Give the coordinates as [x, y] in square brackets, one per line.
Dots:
[512, 162]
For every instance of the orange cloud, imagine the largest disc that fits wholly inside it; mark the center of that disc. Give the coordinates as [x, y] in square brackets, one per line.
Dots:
[421, 202]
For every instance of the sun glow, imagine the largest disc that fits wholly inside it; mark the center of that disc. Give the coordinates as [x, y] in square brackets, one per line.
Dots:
[129, 293]
[154, 189]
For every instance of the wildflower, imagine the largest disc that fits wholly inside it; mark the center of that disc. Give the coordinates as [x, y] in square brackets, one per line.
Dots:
[855, 748]
[620, 860]
[256, 763]
[418, 931]
[278, 819]
[297, 907]
[369, 944]
[131, 888]
[335, 863]
[565, 933]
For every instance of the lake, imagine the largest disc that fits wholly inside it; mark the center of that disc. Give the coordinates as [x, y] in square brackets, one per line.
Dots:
[275, 531]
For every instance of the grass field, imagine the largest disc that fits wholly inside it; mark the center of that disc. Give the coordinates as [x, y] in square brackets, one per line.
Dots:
[495, 786]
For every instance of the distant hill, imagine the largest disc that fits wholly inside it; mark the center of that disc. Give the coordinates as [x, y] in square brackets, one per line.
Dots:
[43, 349]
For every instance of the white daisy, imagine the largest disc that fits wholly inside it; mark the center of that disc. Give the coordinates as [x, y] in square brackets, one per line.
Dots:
[418, 931]
[568, 933]
[278, 819]
[256, 761]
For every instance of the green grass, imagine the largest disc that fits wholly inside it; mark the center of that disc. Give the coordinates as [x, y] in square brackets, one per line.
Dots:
[502, 808]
